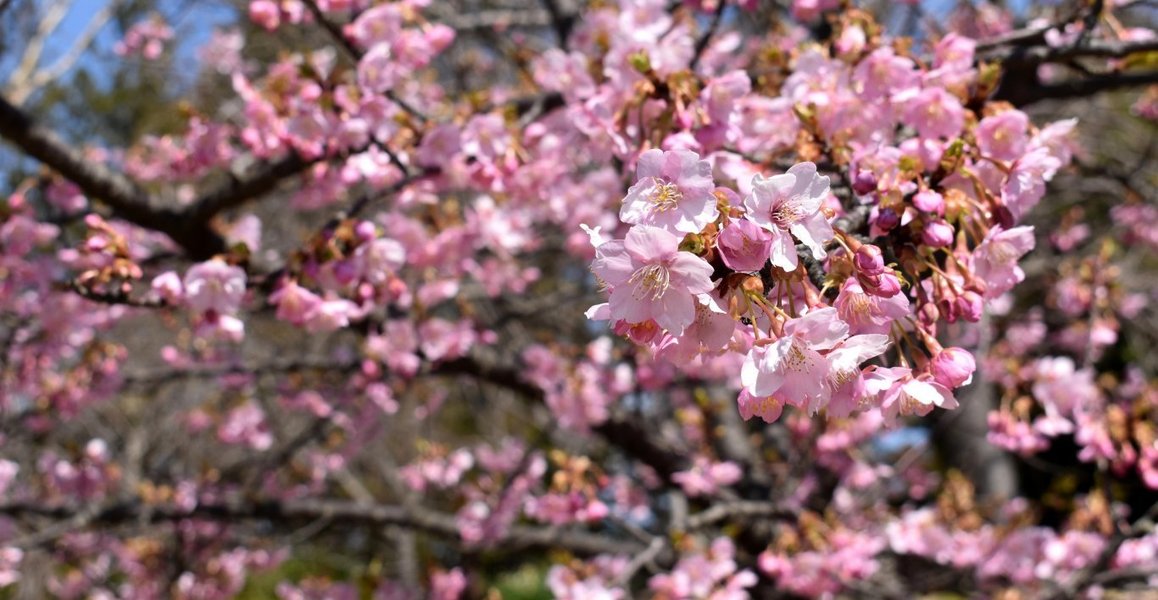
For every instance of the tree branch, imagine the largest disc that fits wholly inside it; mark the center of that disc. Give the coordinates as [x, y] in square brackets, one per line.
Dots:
[518, 537]
[129, 201]
[702, 43]
[1087, 49]
[354, 53]
[560, 22]
[1021, 92]
[239, 190]
[625, 434]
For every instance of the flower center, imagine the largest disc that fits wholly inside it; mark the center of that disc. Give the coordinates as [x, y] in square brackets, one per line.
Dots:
[650, 280]
[839, 377]
[861, 304]
[665, 196]
[910, 405]
[786, 215]
[797, 360]
[1003, 252]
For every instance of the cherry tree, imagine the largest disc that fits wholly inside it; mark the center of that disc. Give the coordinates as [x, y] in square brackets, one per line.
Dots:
[699, 299]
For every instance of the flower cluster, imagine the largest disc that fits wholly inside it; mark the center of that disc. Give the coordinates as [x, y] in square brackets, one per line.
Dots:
[807, 282]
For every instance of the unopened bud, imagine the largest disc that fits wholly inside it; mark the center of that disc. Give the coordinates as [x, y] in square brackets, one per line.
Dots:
[869, 260]
[953, 367]
[929, 201]
[864, 183]
[937, 234]
[928, 314]
[969, 306]
[887, 219]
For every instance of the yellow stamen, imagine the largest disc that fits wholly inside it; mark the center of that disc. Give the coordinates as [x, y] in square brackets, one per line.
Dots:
[651, 280]
[666, 196]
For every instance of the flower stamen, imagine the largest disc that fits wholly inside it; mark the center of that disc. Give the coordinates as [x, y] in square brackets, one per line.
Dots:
[665, 196]
[651, 280]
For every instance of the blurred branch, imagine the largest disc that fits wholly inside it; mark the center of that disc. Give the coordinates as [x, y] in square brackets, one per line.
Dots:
[127, 200]
[740, 509]
[294, 366]
[495, 19]
[560, 22]
[240, 189]
[1022, 91]
[1086, 49]
[282, 512]
[702, 43]
[188, 227]
[625, 434]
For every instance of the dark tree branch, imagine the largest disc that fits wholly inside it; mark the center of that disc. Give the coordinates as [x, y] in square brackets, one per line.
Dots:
[744, 509]
[1087, 49]
[334, 31]
[127, 200]
[188, 227]
[239, 190]
[1021, 91]
[561, 23]
[286, 512]
[495, 19]
[702, 43]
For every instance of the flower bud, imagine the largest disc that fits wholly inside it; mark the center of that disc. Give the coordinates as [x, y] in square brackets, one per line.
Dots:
[366, 231]
[937, 234]
[930, 202]
[864, 183]
[869, 260]
[889, 285]
[969, 306]
[927, 315]
[953, 367]
[885, 285]
[887, 219]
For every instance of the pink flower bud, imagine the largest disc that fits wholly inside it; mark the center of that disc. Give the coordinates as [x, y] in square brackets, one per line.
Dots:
[928, 315]
[930, 202]
[953, 367]
[366, 231]
[969, 306]
[869, 261]
[887, 219]
[937, 234]
[864, 183]
[885, 285]
[744, 246]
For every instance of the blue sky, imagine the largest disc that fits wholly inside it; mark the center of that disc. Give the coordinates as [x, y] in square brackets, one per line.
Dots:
[193, 22]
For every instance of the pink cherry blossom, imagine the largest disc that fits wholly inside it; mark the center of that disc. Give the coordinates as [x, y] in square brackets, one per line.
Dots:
[789, 205]
[995, 259]
[935, 113]
[214, 285]
[792, 367]
[868, 313]
[673, 191]
[651, 279]
[915, 396]
[1003, 136]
